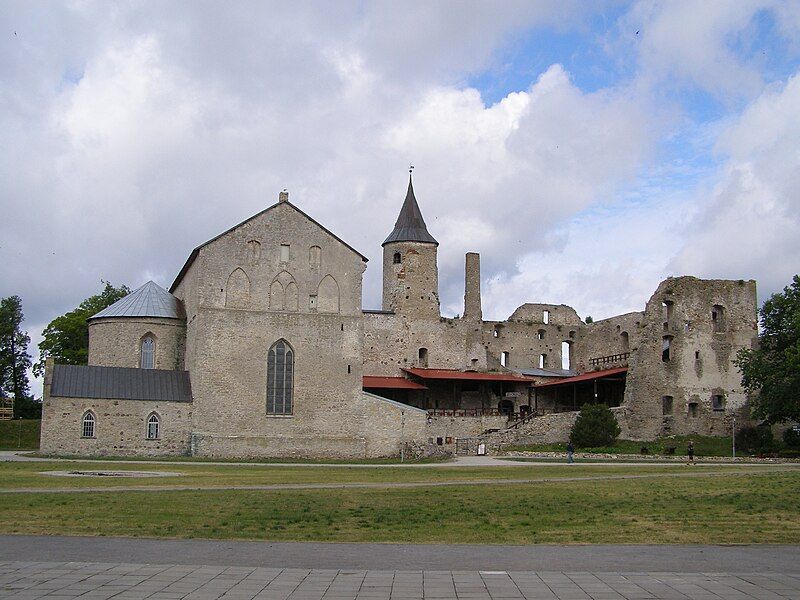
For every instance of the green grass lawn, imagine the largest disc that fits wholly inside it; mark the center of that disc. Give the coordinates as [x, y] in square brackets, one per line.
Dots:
[15, 475]
[746, 507]
[20, 434]
[703, 446]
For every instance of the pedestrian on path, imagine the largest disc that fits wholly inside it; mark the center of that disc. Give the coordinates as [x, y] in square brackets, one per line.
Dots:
[570, 452]
[690, 451]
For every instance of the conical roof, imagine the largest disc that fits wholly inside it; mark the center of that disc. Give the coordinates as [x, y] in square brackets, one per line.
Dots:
[150, 300]
[410, 226]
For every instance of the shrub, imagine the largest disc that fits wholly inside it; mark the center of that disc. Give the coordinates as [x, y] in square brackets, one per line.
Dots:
[595, 426]
[754, 439]
[791, 437]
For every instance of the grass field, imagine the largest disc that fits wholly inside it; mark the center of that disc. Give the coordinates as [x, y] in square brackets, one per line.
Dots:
[20, 434]
[681, 505]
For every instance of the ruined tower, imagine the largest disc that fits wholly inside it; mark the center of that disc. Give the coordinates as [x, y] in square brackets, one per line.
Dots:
[410, 274]
[472, 287]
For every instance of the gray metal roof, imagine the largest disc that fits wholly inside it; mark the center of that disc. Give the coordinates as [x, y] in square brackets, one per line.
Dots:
[410, 226]
[150, 300]
[120, 383]
[536, 372]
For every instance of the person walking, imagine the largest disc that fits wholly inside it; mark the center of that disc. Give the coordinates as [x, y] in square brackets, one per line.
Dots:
[570, 452]
[690, 451]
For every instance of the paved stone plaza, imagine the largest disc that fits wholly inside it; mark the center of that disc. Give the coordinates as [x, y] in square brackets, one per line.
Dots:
[128, 581]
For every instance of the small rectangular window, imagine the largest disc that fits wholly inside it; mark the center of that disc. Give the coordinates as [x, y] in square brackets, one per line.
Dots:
[718, 402]
[504, 359]
[284, 252]
[546, 316]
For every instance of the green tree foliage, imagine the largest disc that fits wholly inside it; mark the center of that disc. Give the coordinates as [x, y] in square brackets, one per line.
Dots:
[14, 358]
[66, 338]
[755, 440]
[771, 372]
[595, 426]
[791, 437]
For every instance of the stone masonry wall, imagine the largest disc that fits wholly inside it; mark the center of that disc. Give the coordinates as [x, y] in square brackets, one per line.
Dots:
[117, 342]
[411, 286]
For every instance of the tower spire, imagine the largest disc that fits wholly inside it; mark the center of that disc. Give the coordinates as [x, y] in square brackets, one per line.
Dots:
[410, 226]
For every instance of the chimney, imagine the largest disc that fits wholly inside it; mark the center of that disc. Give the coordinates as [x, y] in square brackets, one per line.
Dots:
[472, 287]
[283, 196]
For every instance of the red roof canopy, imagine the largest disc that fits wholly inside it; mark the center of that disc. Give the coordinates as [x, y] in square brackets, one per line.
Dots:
[466, 375]
[590, 376]
[393, 383]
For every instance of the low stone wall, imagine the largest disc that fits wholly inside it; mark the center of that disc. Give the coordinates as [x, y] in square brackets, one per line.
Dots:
[464, 427]
[120, 427]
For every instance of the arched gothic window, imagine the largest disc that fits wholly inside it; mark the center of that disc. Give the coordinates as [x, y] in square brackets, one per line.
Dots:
[280, 378]
[148, 356]
[87, 429]
[153, 427]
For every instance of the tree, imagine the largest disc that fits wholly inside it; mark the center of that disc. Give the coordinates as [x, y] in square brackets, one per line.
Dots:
[14, 358]
[595, 426]
[771, 372]
[66, 338]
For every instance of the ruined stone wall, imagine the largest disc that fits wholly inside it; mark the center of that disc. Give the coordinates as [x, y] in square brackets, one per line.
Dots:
[411, 286]
[464, 427]
[521, 340]
[117, 342]
[701, 358]
[613, 336]
[120, 427]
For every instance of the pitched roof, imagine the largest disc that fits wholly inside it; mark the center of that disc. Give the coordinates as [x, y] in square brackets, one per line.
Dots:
[410, 226]
[452, 374]
[149, 300]
[120, 383]
[196, 251]
[590, 376]
[392, 383]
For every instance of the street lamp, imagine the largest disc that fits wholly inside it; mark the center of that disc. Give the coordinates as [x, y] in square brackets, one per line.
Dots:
[733, 436]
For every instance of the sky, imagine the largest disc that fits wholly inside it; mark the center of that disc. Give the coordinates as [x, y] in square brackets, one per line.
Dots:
[586, 150]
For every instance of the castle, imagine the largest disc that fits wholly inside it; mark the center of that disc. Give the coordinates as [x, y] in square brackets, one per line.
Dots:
[261, 348]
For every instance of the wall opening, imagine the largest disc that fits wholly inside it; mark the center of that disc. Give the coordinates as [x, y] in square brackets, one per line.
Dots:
[284, 252]
[718, 318]
[692, 409]
[666, 347]
[496, 332]
[423, 357]
[718, 402]
[546, 316]
[540, 334]
[314, 257]
[626, 341]
[667, 310]
[666, 405]
[504, 359]
[396, 259]
[566, 358]
[542, 361]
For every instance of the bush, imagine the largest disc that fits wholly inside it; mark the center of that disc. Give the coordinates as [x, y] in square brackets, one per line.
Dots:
[754, 440]
[791, 437]
[595, 426]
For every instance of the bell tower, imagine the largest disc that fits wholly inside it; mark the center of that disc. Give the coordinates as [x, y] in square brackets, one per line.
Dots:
[410, 273]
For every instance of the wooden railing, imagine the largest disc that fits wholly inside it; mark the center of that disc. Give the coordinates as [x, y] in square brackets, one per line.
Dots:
[465, 412]
[611, 359]
[6, 410]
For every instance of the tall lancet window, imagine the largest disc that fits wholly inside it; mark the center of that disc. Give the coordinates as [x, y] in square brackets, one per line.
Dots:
[280, 378]
[148, 355]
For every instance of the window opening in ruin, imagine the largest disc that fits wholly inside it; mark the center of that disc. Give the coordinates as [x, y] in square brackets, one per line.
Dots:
[396, 259]
[148, 354]
[423, 357]
[665, 348]
[284, 252]
[542, 361]
[697, 354]
[686, 326]
[546, 316]
[666, 308]
[474, 362]
[692, 409]
[504, 359]
[565, 355]
[626, 342]
[153, 426]
[666, 405]
[496, 332]
[540, 334]
[342, 326]
[572, 334]
[717, 318]
[718, 402]
[348, 369]
[88, 425]
[280, 378]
